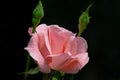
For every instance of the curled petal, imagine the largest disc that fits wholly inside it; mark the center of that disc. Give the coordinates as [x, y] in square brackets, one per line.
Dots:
[74, 64]
[42, 32]
[55, 61]
[58, 38]
[34, 52]
[81, 45]
[71, 66]
[76, 45]
[82, 58]
[57, 42]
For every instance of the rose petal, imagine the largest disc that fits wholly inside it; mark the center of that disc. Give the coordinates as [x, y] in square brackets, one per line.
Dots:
[55, 61]
[36, 55]
[83, 58]
[42, 32]
[71, 66]
[58, 37]
[74, 64]
[81, 44]
[61, 31]
[57, 42]
[76, 45]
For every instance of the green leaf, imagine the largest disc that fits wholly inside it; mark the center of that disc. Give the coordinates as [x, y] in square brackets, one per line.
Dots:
[33, 71]
[84, 19]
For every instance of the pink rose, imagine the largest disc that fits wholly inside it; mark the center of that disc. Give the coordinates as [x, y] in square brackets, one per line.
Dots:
[54, 47]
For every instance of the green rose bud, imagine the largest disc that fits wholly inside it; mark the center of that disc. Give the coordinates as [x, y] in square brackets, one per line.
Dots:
[38, 14]
[84, 19]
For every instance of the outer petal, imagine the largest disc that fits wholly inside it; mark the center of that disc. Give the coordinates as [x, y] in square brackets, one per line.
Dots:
[71, 66]
[34, 52]
[81, 44]
[56, 61]
[74, 64]
[83, 58]
[76, 45]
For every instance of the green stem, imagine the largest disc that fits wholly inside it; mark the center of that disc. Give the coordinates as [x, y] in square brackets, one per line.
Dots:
[79, 34]
[27, 66]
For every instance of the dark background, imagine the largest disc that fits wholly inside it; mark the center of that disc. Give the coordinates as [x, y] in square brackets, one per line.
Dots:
[102, 34]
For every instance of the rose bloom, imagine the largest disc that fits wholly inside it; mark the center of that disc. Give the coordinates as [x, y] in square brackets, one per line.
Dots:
[56, 48]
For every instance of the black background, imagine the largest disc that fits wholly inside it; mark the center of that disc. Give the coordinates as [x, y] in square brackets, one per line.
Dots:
[102, 34]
